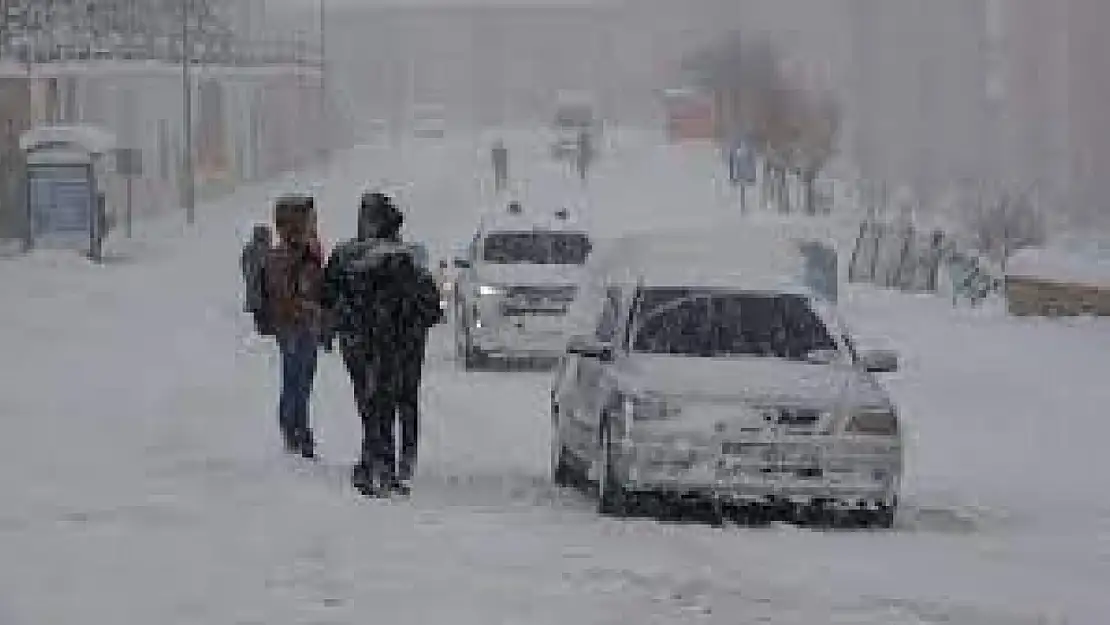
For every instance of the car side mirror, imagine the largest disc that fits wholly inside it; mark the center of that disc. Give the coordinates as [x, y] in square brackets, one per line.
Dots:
[589, 347]
[879, 361]
[461, 263]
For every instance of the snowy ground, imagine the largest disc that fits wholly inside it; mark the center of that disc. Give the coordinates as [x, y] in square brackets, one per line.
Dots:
[142, 482]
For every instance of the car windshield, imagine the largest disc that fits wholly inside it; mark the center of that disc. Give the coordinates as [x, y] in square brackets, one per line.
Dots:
[712, 323]
[537, 247]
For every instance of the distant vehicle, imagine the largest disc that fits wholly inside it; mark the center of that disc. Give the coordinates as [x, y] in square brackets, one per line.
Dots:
[517, 279]
[573, 116]
[429, 121]
[700, 364]
[690, 115]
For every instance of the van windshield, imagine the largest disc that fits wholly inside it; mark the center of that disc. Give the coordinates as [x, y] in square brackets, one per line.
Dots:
[712, 323]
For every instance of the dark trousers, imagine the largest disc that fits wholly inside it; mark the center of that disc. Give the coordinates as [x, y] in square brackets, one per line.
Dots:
[356, 359]
[298, 371]
[387, 391]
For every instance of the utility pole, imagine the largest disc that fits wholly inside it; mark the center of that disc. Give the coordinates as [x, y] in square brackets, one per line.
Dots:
[322, 115]
[188, 175]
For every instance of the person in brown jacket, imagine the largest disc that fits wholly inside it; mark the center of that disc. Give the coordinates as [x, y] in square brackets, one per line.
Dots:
[294, 282]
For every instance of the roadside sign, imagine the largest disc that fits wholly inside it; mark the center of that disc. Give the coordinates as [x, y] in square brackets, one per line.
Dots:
[129, 165]
[821, 272]
[129, 162]
[742, 167]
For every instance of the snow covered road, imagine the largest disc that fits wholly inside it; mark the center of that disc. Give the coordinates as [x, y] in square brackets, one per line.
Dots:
[142, 483]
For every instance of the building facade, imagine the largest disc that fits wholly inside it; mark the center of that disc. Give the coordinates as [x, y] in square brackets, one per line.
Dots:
[1058, 86]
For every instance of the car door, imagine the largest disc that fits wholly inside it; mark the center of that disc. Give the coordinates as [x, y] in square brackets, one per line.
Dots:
[464, 282]
[590, 375]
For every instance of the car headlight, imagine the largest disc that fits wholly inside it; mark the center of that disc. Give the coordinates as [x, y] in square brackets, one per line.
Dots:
[489, 290]
[648, 407]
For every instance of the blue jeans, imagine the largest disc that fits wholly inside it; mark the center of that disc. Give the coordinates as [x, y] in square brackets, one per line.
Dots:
[298, 370]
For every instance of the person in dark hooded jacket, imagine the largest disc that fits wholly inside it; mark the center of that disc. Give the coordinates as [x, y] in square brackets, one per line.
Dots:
[381, 304]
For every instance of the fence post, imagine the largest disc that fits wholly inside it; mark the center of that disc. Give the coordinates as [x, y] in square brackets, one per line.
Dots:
[878, 232]
[908, 238]
[853, 262]
[933, 268]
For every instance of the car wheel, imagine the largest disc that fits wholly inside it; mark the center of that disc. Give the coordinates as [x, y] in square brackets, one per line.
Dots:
[562, 468]
[473, 358]
[462, 342]
[612, 498]
[885, 516]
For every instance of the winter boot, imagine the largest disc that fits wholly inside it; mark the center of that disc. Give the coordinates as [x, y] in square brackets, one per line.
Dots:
[369, 480]
[362, 480]
[306, 444]
[291, 439]
[405, 472]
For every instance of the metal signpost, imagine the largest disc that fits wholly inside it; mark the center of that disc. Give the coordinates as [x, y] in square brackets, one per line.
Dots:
[742, 168]
[189, 198]
[129, 165]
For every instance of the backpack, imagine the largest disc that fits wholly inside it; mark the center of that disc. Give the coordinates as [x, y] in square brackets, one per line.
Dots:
[252, 265]
[263, 317]
[256, 300]
[384, 295]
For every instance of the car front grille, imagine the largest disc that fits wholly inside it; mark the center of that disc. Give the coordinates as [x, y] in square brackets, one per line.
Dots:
[517, 311]
[561, 294]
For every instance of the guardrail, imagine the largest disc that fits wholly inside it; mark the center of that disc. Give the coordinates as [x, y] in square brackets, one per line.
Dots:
[900, 256]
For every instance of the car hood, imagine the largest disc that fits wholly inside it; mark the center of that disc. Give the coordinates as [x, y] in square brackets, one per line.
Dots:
[528, 274]
[756, 380]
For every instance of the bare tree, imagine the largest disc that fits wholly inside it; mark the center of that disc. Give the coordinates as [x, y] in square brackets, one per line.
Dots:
[741, 74]
[1007, 225]
[795, 130]
[817, 139]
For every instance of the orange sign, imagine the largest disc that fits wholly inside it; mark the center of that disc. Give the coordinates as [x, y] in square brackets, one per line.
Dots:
[690, 118]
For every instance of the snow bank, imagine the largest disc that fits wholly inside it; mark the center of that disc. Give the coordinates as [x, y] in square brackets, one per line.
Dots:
[142, 483]
[1075, 265]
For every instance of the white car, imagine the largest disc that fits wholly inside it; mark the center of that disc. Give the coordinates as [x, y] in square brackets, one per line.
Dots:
[698, 365]
[515, 284]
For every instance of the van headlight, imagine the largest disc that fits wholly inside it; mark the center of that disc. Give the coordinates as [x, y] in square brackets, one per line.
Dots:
[490, 290]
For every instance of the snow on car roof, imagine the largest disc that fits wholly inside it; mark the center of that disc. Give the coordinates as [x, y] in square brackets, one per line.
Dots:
[751, 258]
[531, 217]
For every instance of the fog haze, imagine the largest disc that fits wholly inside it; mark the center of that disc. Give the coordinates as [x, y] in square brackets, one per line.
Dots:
[928, 88]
